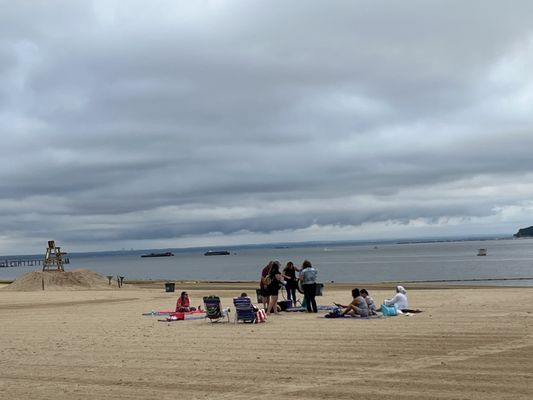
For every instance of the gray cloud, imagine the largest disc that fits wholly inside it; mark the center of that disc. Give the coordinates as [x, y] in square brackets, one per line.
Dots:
[224, 122]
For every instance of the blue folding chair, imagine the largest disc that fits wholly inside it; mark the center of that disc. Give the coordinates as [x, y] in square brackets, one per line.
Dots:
[244, 310]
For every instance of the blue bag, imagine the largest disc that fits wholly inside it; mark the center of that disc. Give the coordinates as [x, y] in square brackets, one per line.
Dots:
[388, 311]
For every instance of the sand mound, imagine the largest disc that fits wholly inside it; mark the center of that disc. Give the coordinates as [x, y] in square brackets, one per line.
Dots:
[80, 279]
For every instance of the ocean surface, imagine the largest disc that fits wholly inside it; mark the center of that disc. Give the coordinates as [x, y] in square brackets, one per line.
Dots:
[508, 262]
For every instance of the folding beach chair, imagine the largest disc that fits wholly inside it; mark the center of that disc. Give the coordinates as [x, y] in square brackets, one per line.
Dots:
[244, 310]
[213, 311]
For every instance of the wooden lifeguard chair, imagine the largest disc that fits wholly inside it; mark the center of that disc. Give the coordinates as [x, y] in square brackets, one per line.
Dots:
[53, 260]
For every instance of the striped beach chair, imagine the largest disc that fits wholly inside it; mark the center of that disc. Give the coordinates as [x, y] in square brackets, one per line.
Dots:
[244, 310]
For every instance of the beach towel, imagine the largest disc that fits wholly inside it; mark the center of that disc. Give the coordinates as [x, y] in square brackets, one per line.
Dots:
[319, 308]
[260, 316]
[348, 317]
[170, 312]
[176, 318]
[187, 318]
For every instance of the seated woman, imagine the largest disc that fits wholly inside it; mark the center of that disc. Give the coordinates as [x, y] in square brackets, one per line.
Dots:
[369, 302]
[399, 301]
[358, 306]
[184, 303]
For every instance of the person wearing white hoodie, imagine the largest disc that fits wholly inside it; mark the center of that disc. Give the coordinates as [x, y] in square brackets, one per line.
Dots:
[399, 300]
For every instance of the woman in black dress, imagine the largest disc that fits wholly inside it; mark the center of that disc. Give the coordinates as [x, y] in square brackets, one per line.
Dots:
[274, 284]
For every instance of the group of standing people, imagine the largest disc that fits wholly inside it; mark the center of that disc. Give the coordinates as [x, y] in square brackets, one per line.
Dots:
[273, 279]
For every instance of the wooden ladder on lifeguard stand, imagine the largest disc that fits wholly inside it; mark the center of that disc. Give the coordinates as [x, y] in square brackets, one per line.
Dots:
[53, 260]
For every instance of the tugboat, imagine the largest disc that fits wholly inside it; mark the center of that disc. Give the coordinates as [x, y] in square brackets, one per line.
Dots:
[167, 254]
[217, 253]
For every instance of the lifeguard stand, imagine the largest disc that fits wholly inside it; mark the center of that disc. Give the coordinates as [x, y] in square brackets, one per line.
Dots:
[53, 260]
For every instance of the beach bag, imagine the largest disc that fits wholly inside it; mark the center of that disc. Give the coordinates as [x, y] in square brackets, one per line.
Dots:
[180, 316]
[334, 313]
[260, 316]
[388, 311]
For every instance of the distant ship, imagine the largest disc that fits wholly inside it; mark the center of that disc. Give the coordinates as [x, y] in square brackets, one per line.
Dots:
[217, 253]
[167, 254]
[482, 252]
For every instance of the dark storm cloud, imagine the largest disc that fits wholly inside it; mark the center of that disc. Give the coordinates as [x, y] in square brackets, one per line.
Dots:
[186, 122]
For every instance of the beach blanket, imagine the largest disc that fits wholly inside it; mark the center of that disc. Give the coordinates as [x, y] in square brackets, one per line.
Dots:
[409, 313]
[377, 316]
[348, 317]
[188, 317]
[301, 309]
[169, 312]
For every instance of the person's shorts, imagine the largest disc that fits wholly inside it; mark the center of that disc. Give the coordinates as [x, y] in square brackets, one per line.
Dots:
[362, 312]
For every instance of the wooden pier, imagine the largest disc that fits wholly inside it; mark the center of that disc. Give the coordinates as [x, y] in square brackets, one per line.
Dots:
[25, 262]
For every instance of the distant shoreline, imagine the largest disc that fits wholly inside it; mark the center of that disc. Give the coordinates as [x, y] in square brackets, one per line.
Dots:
[252, 285]
[289, 245]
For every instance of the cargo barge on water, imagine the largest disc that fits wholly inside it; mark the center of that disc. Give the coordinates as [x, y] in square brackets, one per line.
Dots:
[217, 253]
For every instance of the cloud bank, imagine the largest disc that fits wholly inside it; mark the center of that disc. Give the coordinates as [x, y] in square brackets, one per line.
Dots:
[175, 123]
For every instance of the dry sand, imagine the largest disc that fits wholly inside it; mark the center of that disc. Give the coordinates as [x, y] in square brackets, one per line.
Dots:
[469, 343]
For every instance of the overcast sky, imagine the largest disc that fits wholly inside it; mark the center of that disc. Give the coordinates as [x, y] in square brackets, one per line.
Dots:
[155, 124]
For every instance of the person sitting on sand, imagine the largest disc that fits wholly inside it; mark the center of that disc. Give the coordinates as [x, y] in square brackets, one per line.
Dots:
[369, 302]
[399, 301]
[184, 303]
[358, 306]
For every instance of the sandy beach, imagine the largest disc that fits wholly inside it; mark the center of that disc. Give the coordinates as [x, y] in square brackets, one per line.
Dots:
[469, 343]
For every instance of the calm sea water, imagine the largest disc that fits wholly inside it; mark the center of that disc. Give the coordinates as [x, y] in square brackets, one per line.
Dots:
[506, 259]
